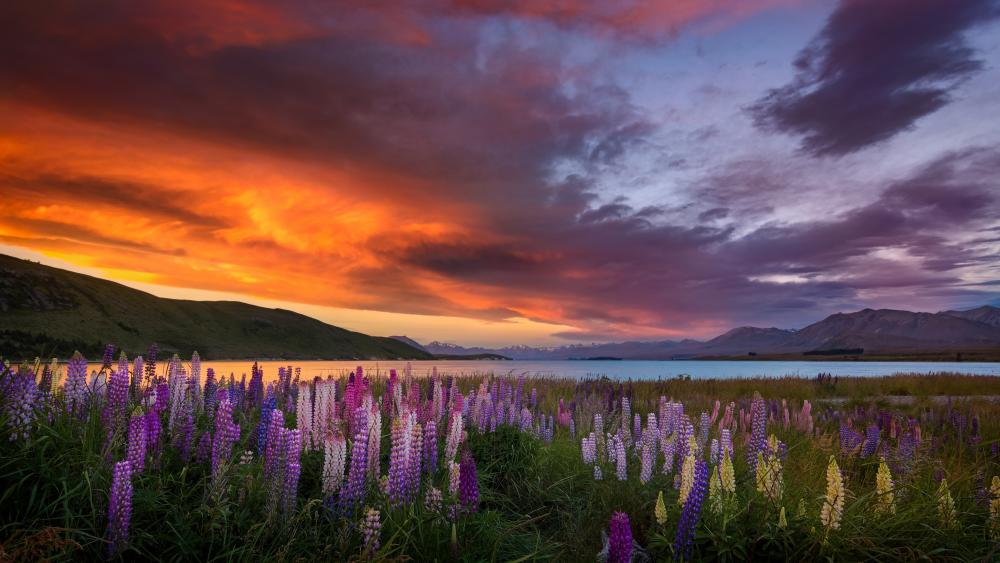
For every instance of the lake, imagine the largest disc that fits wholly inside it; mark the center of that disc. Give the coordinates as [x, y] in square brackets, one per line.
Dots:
[615, 369]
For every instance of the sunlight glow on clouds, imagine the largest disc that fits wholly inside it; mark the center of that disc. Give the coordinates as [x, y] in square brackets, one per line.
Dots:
[510, 172]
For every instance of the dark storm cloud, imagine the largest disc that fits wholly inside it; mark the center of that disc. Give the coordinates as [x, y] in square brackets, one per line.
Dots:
[156, 201]
[873, 71]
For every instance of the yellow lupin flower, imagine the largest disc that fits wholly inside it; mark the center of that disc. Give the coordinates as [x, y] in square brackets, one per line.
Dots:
[687, 477]
[782, 520]
[995, 508]
[768, 477]
[661, 510]
[801, 511]
[946, 506]
[727, 475]
[715, 492]
[833, 503]
[885, 502]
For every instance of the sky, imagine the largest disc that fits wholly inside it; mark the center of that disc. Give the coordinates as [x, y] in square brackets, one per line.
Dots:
[490, 172]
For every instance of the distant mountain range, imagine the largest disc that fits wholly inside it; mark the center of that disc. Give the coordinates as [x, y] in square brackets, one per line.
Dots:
[869, 332]
[47, 311]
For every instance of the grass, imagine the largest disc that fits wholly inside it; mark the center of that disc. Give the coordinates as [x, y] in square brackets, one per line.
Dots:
[539, 501]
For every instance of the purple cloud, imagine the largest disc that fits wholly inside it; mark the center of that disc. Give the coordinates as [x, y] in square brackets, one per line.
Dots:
[873, 71]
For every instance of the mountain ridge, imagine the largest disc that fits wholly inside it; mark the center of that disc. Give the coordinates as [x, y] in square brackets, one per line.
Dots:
[870, 330]
[46, 311]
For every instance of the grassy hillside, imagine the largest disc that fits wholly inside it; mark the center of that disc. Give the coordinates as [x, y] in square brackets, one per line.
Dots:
[47, 311]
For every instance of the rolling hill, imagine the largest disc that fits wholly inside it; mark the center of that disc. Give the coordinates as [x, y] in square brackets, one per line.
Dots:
[47, 311]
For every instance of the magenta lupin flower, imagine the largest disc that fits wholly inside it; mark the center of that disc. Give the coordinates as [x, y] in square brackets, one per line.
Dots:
[468, 484]
[620, 539]
[137, 443]
[119, 507]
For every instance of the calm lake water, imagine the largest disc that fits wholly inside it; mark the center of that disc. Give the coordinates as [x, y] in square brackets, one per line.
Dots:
[616, 369]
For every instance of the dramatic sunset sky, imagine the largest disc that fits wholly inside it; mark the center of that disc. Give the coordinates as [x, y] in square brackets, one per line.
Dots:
[527, 171]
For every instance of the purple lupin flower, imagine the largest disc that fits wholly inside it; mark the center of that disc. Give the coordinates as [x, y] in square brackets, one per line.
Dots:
[272, 446]
[430, 449]
[646, 462]
[871, 440]
[203, 452]
[45, 384]
[468, 484]
[621, 459]
[222, 439]
[849, 438]
[153, 429]
[162, 397]
[726, 443]
[758, 431]
[119, 507]
[293, 469]
[267, 407]
[151, 363]
[135, 383]
[685, 430]
[400, 436]
[109, 355]
[620, 539]
[20, 404]
[413, 464]
[209, 392]
[114, 412]
[137, 443]
[75, 387]
[354, 492]
[684, 542]
[186, 432]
